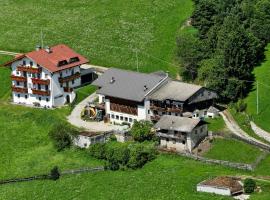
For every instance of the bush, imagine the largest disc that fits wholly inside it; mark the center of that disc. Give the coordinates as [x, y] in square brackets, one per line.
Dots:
[249, 185]
[141, 131]
[55, 173]
[97, 150]
[240, 106]
[62, 136]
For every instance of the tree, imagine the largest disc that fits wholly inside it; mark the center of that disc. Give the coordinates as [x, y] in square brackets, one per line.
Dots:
[62, 136]
[141, 131]
[55, 173]
[249, 185]
[189, 53]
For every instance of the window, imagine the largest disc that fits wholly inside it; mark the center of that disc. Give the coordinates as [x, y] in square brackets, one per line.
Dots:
[72, 82]
[47, 99]
[112, 116]
[39, 86]
[18, 95]
[26, 97]
[39, 98]
[130, 120]
[31, 63]
[46, 75]
[38, 75]
[24, 63]
[121, 118]
[169, 113]
[126, 119]
[24, 74]
[148, 112]
[46, 87]
[196, 131]
[72, 71]
[61, 74]
[17, 73]
[17, 83]
[183, 142]
[61, 85]
[167, 139]
[117, 117]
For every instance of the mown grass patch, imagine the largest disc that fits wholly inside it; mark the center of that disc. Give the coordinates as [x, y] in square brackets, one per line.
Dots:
[216, 124]
[262, 75]
[83, 92]
[232, 150]
[107, 32]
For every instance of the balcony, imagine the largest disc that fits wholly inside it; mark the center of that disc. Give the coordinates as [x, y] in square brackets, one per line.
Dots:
[174, 110]
[41, 92]
[29, 69]
[70, 78]
[155, 118]
[157, 108]
[132, 110]
[18, 78]
[40, 81]
[19, 89]
[67, 89]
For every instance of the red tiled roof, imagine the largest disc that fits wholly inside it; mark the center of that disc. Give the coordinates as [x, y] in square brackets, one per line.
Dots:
[50, 60]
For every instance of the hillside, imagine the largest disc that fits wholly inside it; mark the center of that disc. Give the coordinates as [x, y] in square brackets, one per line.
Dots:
[107, 32]
[262, 75]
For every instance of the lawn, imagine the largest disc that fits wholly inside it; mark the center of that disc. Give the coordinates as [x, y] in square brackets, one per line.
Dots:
[232, 150]
[84, 92]
[262, 75]
[216, 124]
[107, 32]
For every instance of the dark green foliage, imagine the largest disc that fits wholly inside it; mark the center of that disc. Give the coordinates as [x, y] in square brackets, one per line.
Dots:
[55, 173]
[141, 131]
[249, 185]
[124, 155]
[98, 150]
[232, 35]
[240, 106]
[62, 136]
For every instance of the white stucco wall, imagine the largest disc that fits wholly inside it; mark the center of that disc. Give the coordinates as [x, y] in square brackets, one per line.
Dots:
[215, 190]
[57, 95]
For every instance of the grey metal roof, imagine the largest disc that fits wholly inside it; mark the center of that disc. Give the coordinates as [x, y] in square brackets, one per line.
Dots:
[175, 90]
[176, 123]
[127, 84]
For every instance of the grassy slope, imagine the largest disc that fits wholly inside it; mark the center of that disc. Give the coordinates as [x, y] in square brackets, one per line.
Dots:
[232, 150]
[167, 177]
[4, 78]
[216, 124]
[93, 27]
[262, 74]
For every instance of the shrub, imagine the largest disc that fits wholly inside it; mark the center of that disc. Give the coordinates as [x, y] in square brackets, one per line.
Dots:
[55, 173]
[249, 185]
[240, 106]
[97, 150]
[141, 131]
[62, 136]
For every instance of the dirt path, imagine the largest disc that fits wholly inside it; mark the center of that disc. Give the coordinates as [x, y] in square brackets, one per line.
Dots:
[235, 129]
[75, 118]
[260, 132]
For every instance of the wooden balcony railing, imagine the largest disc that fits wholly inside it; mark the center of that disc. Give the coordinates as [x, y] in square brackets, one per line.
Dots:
[164, 109]
[70, 78]
[157, 108]
[174, 110]
[29, 69]
[124, 109]
[18, 78]
[41, 92]
[155, 118]
[40, 81]
[19, 89]
[67, 89]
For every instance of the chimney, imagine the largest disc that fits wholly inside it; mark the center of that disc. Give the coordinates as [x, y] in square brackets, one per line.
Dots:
[38, 47]
[112, 80]
[145, 87]
[48, 49]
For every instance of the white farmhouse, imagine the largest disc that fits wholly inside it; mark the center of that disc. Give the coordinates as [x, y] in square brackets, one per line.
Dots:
[46, 77]
[180, 133]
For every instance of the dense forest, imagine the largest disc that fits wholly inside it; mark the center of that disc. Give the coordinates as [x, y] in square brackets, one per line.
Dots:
[230, 41]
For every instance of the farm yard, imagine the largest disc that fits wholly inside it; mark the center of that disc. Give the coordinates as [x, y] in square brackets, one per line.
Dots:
[109, 33]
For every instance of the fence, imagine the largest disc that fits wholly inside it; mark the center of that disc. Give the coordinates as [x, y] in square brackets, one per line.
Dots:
[242, 166]
[48, 176]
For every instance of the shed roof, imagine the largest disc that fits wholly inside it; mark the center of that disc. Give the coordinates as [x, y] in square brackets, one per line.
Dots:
[175, 90]
[176, 123]
[226, 182]
[126, 84]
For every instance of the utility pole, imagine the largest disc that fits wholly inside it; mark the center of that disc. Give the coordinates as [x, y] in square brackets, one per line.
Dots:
[257, 97]
[137, 60]
[41, 38]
